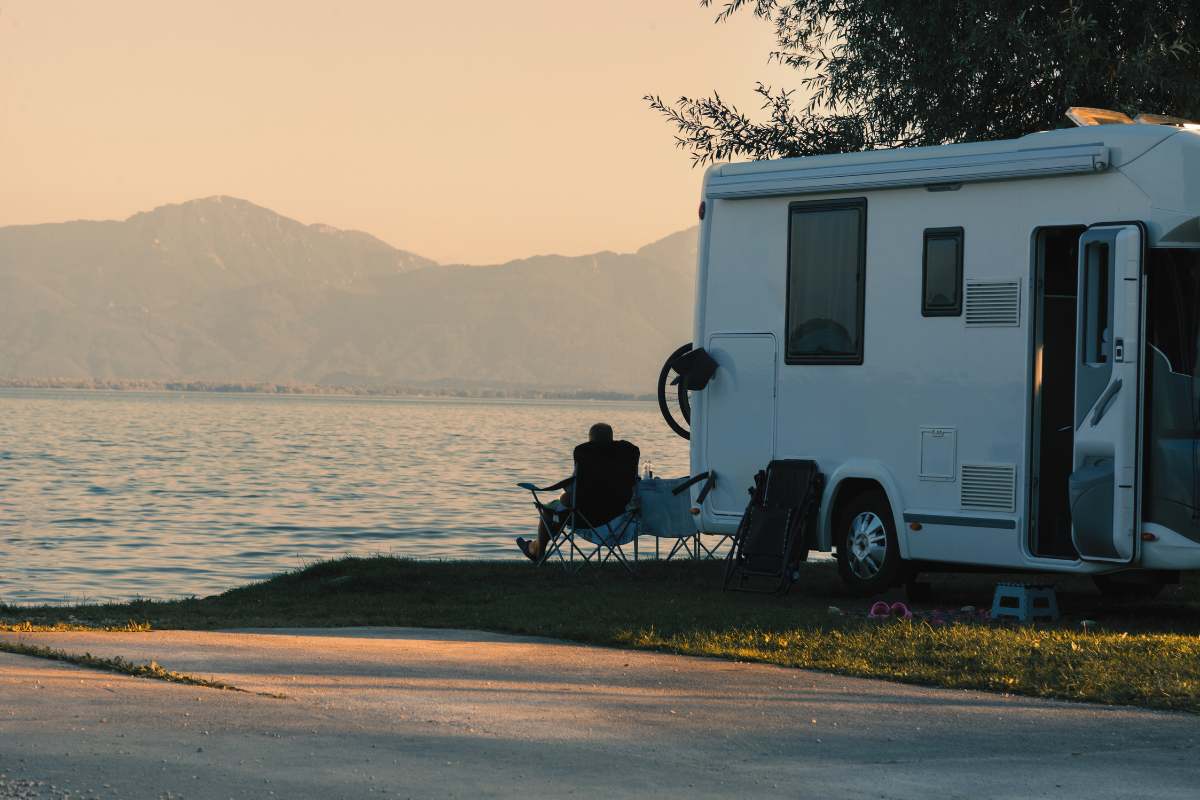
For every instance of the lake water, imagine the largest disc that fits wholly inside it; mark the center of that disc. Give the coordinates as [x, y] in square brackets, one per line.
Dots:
[114, 495]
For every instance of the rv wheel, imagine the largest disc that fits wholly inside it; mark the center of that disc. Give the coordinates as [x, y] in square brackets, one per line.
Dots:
[868, 554]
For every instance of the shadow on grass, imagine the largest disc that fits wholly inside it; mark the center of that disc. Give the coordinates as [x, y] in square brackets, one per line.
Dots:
[1144, 653]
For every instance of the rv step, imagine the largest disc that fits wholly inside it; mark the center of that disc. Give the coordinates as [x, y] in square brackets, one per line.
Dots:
[1024, 601]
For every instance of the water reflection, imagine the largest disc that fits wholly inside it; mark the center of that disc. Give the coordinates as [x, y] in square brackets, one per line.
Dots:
[114, 495]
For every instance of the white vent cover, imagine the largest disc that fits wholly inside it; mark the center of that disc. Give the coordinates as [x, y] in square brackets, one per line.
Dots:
[989, 487]
[994, 303]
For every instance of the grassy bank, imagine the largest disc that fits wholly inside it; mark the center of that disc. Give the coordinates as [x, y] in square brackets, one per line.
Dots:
[1143, 654]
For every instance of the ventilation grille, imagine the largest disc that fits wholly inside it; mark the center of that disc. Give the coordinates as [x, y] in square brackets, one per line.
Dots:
[994, 303]
[989, 487]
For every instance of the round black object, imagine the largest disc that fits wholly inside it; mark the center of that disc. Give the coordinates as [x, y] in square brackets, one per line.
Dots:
[868, 552]
[681, 392]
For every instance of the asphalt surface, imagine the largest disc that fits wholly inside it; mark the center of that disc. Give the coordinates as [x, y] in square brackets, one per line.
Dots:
[389, 712]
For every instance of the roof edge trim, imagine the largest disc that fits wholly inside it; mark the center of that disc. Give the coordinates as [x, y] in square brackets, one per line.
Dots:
[896, 173]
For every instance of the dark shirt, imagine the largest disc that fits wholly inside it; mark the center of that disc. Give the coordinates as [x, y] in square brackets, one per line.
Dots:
[605, 473]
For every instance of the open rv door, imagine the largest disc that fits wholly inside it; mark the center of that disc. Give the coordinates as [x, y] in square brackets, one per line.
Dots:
[1104, 484]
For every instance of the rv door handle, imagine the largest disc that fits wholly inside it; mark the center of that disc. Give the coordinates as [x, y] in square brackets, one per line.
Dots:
[1105, 401]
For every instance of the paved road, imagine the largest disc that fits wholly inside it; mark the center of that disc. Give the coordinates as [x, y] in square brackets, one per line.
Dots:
[424, 713]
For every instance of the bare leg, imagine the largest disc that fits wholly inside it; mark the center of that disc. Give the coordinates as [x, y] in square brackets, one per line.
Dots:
[544, 526]
[539, 547]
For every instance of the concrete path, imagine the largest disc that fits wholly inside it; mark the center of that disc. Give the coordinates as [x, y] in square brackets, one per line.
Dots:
[432, 714]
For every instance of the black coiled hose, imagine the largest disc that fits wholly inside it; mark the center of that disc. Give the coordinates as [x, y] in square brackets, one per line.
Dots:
[685, 407]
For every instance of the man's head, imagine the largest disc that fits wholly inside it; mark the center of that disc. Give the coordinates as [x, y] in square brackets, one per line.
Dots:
[601, 433]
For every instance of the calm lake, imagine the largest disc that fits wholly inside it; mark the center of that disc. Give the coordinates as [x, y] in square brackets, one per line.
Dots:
[114, 495]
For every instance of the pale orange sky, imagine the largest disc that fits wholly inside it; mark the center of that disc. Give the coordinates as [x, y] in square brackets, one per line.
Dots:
[475, 131]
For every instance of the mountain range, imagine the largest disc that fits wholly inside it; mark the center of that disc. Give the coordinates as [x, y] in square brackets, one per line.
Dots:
[220, 289]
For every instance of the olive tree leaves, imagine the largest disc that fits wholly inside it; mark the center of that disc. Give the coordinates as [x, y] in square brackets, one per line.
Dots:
[889, 73]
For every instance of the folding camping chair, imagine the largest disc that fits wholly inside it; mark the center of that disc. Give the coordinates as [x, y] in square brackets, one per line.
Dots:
[602, 510]
[665, 513]
[690, 539]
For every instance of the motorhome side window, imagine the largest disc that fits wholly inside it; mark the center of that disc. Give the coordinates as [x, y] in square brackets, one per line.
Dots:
[826, 265]
[941, 273]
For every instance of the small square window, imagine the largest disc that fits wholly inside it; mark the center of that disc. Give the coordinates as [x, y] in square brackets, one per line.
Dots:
[942, 273]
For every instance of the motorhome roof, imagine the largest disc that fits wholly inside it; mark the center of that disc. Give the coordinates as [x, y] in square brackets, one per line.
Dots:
[1058, 152]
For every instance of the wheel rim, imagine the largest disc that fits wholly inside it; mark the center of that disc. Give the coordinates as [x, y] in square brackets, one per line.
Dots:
[867, 540]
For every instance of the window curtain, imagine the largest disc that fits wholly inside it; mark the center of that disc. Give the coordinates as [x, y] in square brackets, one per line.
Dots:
[824, 283]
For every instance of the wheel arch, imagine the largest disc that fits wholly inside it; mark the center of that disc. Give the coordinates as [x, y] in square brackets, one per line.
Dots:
[848, 480]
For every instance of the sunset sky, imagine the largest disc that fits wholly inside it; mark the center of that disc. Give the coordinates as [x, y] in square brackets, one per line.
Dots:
[473, 131]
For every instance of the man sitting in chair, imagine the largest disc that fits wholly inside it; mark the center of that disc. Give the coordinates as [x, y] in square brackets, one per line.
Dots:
[612, 470]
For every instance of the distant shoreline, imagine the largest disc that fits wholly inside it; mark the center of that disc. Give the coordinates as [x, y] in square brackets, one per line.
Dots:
[271, 388]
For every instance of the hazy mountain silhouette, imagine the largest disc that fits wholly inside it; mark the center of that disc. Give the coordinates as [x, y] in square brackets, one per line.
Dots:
[221, 289]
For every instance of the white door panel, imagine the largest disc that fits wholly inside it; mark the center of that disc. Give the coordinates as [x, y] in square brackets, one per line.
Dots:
[739, 409]
[1104, 483]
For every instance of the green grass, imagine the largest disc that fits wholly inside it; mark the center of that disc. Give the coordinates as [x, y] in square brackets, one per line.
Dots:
[1142, 654]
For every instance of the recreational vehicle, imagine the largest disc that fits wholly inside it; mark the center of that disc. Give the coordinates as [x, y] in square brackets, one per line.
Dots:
[989, 350]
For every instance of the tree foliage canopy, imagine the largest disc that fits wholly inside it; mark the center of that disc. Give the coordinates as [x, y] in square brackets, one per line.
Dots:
[888, 73]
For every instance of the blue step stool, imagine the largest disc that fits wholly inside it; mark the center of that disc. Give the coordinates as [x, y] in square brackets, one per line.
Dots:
[1024, 601]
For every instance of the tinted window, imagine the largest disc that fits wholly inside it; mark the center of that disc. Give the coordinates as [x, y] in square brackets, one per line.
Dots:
[826, 261]
[1173, 310]
[941, 281]
[1172, 456]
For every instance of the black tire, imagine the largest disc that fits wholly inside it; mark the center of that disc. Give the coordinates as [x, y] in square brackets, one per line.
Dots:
[865, 567]
[1120, 589]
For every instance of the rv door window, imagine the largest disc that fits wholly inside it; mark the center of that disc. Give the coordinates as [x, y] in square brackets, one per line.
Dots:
[826, 265]
[1098, 302]
[942, 269]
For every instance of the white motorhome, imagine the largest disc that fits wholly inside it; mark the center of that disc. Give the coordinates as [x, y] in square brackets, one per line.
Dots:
[989, 349]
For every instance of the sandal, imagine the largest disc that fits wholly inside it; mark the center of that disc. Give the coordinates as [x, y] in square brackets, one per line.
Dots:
[524, 544]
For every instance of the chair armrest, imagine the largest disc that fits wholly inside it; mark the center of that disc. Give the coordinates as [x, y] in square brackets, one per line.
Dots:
[709, 478]
[560, 485]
